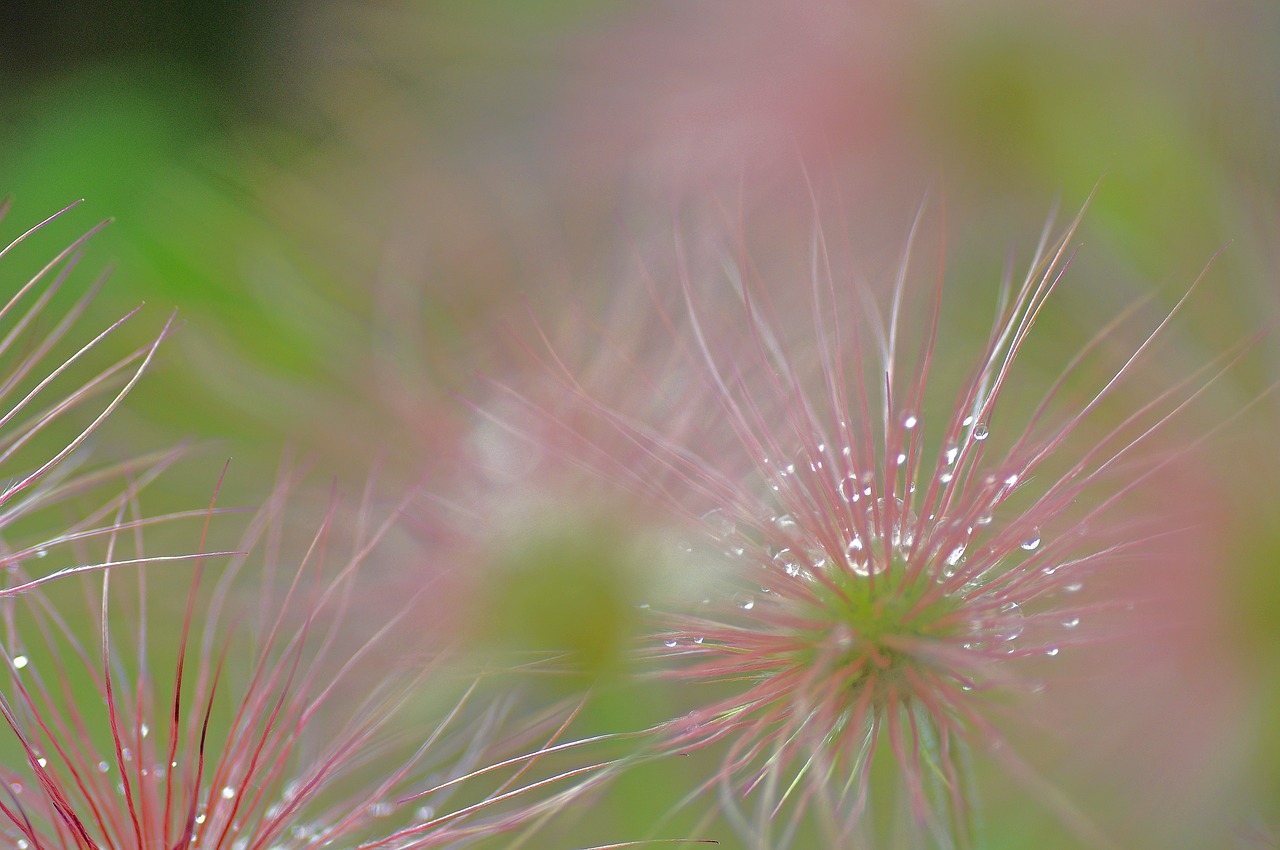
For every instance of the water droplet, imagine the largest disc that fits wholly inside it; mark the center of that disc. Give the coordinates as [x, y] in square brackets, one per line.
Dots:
[424, 813]
[104, 766]
[862, 562]
[902, 458]
[1011, 480]
[20, 661]
[699, 639]
[22, 844]
[42, 762]
[985, 519]
[980, 431]
[789, 562]
[16, 787]
[719, 523]
[1051, 651]
[1011, 624]
[784, 522]
[955, 556]
[144, 730]
[201, 818]
[744, 601]
[1071, 622]
[126, 754]
[849, 489]
[1033, 542]
[968, 420]
[909, 422]
[228, 792]
[1074, 587]
[381, 809]
[946, 477]
[41, 553]
[816, 556]
[951, 454]
[670, 643]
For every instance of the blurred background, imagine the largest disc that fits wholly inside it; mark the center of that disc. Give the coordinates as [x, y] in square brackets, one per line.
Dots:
[350, 204]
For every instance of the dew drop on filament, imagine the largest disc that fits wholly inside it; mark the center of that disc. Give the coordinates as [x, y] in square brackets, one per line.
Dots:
[980, 431]
[719, 523]
[789, 563]
[1033, 542]
[849, 489]
[1011, 625]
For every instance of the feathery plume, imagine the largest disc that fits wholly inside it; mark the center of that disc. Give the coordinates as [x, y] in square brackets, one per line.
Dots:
[895, 567]
[267, 705]
[267, 709]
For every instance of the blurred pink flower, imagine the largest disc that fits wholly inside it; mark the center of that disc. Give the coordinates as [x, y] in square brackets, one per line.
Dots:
[903, 560]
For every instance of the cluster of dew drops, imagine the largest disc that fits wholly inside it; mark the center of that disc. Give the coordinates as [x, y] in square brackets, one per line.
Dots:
[865, 558]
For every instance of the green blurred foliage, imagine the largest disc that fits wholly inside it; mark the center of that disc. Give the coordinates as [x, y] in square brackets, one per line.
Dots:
[569, 591]
[1038, 106]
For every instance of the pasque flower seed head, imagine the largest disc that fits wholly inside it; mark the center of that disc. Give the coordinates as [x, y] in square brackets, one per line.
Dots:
[895, 567]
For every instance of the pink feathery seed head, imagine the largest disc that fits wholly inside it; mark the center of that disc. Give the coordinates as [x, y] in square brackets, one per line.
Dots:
[265, 701]
[901, 552]
[269, 704]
